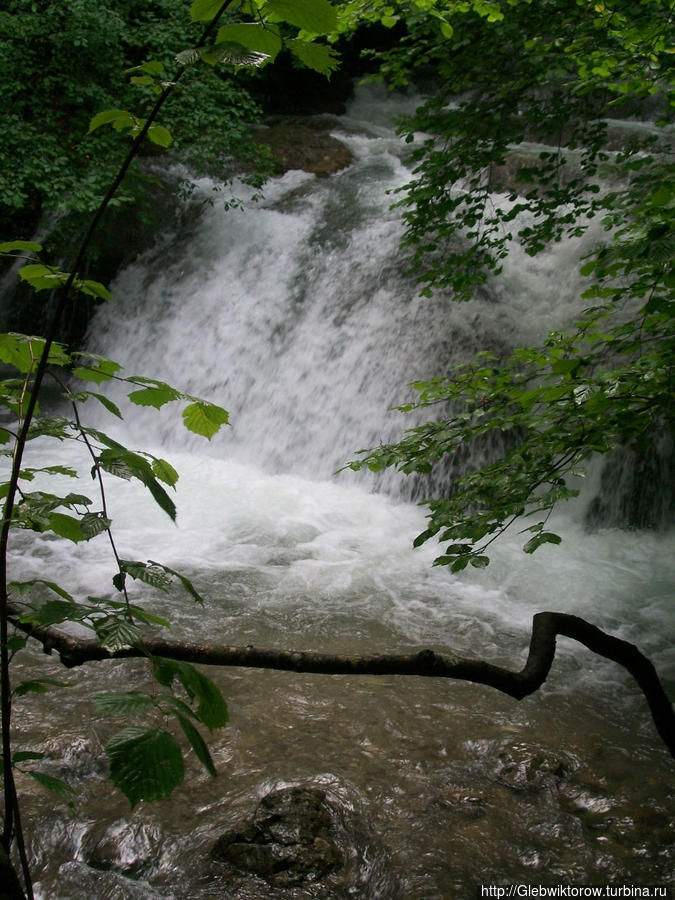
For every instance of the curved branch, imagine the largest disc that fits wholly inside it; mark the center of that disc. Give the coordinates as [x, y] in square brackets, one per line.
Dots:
[546, 626]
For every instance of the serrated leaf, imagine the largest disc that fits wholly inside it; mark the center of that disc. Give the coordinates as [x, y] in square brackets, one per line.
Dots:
[28, 246]
[188, 57]
[24, 587]
[22, 755]
[204, 418]
[55, 611]
[546, 537]
[93, 524]
[234, 54]
[116, 632]
[153, 575]
[145, 763]
[16, 642]
[107, 403]
[152, 67]
[41, 277]
[315, 16]
[125, 464]
[107, 117]
[252, 36]
[319, 57]
[55, 785]
[187, 584]
[160, 135]
[212, 708]
[66, 527]
[38, 686]
[198, 745]
[164, 471]
[98, 368]
[119, 580]
[93, 289]
[480, 562]
[118, 703]
[204, 10]
[154, 396]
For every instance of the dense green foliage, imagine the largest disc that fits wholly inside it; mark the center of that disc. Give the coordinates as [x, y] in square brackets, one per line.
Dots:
[64, 61]
[553, 73]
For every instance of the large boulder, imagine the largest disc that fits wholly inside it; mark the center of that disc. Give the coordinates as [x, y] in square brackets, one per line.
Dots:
[307, 147]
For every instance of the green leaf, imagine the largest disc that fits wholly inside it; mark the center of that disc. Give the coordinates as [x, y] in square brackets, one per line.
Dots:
[253, 36]
[137, 612]
[480, 562]
[154, 575]
[116, 632]
[108, 117]
[319, 57]
[55, 785]
[41, 277]
[545, 537]
[204, 418]
[22, 755]
[93, 524]
[188, 586]
[212, 709]
[189, 56]
[93, 289]
[16, 642]
[125, 464]
[107, 403]
[314, 16]
[204, 10]
[145, 763]
[198, 744]
[164, 471]
[154, 396]
[24, 587]
[66, 527]
[160, 135]
[28, 246]
[234, 54]
[54, 611]
[38, 686]
[95, 368]
[123, 704]
[119, 580]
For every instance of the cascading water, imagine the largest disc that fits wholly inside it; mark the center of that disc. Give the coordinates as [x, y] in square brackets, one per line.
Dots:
[295, 313]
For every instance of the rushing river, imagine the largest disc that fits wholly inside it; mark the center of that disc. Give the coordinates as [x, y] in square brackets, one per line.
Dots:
[295, 313]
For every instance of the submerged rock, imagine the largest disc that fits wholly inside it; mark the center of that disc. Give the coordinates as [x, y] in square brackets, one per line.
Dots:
[523, 767]
[291, 839]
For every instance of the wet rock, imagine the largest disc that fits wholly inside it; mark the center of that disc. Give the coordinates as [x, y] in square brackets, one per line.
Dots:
[125, 847]
[290, 840]
[310, 149]
[525, 767]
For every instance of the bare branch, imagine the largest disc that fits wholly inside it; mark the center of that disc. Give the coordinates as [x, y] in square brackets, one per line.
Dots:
[546, 626]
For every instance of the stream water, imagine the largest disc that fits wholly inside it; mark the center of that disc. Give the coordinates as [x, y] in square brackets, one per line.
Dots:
[296, 314]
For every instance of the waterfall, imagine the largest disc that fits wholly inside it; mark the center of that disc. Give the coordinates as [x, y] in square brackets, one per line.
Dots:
[296, 314]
